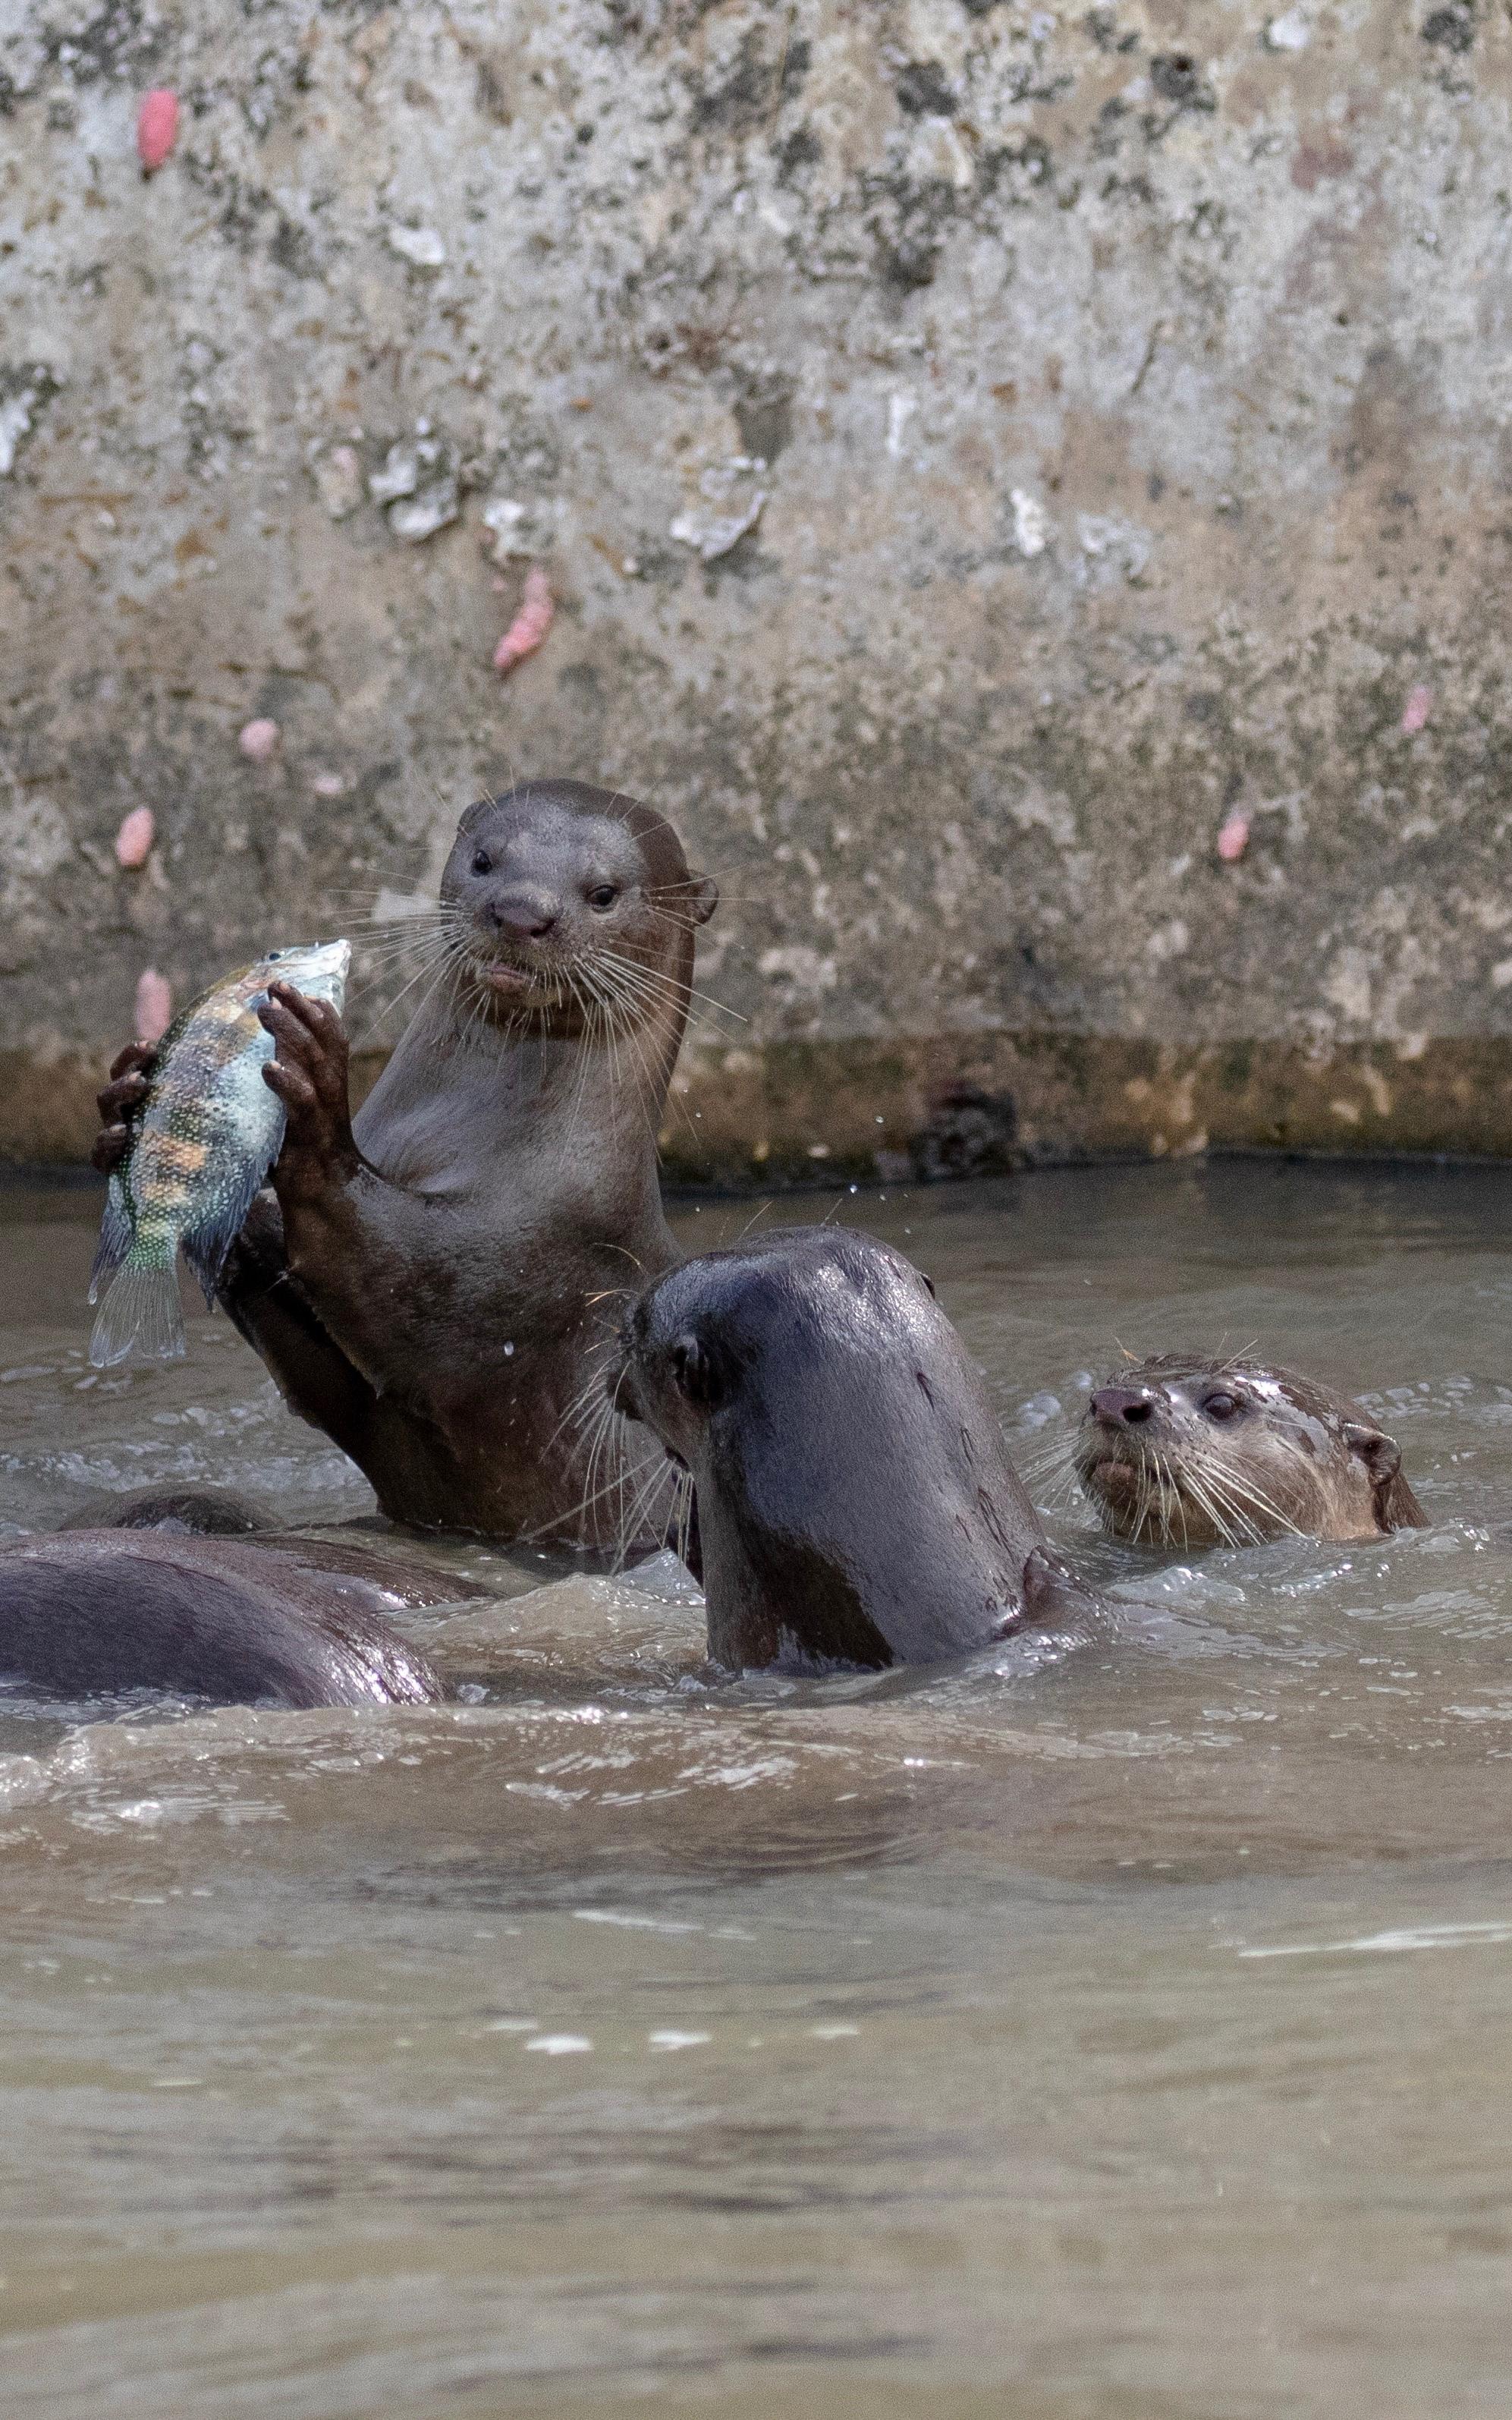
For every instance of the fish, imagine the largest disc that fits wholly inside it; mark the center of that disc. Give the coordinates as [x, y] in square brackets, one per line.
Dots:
[202, 1143]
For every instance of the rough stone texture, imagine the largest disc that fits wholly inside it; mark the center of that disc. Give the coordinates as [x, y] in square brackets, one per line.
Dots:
[975, 450]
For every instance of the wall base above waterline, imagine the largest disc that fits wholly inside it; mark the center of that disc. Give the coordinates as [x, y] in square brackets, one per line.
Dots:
[927, 1108]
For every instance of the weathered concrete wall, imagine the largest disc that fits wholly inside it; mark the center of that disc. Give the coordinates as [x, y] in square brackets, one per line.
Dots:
[1130, 393]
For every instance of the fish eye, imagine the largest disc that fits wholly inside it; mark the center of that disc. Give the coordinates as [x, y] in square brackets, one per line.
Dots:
[1221, 1406]
[482, 862]
[603, 897]
[272, 955]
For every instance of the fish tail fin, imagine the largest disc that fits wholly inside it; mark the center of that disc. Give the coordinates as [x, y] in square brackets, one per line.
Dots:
[141, 1312]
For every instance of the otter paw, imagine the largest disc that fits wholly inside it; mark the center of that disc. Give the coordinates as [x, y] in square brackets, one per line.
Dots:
[310, 1075]
[129, 1073]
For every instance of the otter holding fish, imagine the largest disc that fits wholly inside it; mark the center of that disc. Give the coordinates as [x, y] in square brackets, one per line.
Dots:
[1184, 1451]
[436, 1282]
[206, 1134]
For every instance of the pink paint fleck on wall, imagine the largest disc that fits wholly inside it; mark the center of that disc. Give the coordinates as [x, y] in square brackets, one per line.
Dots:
[133, 842]
[157, 128]
[1233, 838]
[1418, 708]
[531, 624]
[154, 1005]
[259, 739]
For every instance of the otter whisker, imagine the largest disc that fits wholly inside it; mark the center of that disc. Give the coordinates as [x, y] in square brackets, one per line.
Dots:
[596, 1495]
[585, 1011]
[629, 1013]
[435, 948]
[701, 1008]
[656, 1469]
[1243, 1498]
[647, 1078]
[1206, 1504]
[448, 965]
[1249, 1490]
[594, 1490]
[657, 978]
[649, 1083]
[682, 1514]
[1170, 1495]
[592, 1388]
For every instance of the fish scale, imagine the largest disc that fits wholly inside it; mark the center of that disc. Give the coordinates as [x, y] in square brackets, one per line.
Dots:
[201, 1146]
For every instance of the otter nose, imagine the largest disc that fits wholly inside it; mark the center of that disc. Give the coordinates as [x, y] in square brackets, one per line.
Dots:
[525, 914]
[1122, 1407]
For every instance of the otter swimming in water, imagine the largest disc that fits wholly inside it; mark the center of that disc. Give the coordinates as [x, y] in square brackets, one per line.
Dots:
[1186, 1450]
[93, 1612]
[436, 1282]
[855, 1502]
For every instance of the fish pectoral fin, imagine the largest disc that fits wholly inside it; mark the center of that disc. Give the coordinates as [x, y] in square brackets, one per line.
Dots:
[207, 1243]
[115, 1237]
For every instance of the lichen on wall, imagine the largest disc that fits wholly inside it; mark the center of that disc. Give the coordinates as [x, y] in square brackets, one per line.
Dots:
[979, 457]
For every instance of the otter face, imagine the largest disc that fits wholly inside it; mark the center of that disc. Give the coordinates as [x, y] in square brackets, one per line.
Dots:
[1178, 1451]
[854, 1498]
[566, 897]
[720, 1340]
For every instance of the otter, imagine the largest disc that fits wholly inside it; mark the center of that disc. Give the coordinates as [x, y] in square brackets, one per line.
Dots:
[435, 1282]
[215, 1512]
[1183, 1451]
[192, 1512]
[90, 1613]
[855, 1502]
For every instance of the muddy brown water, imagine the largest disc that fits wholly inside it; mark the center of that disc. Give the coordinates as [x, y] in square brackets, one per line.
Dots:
[1130, 2036]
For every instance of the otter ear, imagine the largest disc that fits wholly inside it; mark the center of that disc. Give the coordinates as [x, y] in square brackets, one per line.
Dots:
[1380, 1454]
[701, 897]
[1383, 1458]
[692, 1374]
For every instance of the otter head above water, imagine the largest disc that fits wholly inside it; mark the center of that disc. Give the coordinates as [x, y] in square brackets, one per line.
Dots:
[856, 1503]
[572, 909]
[1182, 1451]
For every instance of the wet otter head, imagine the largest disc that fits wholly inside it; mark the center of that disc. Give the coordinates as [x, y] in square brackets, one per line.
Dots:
[572, 909]
[1181, 1451]
[854, 1500]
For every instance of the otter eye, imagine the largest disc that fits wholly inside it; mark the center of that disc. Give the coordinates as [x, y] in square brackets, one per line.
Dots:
[603, 897]
[482, 862]
[1221, 1407]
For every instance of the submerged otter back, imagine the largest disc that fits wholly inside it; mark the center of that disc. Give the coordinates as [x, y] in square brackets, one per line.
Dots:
[93, 1614]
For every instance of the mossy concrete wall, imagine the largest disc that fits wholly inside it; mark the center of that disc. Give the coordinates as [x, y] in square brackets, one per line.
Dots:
[979, 452]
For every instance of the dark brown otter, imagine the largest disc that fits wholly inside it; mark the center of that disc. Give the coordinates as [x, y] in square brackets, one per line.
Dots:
[436, 1282]
[1183, 1451]
[192, 1512]
[214, 1512]
[95, 1612]
[855, 1502]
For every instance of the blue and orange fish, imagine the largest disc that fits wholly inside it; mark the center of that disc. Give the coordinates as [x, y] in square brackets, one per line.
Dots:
[202, 1143]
